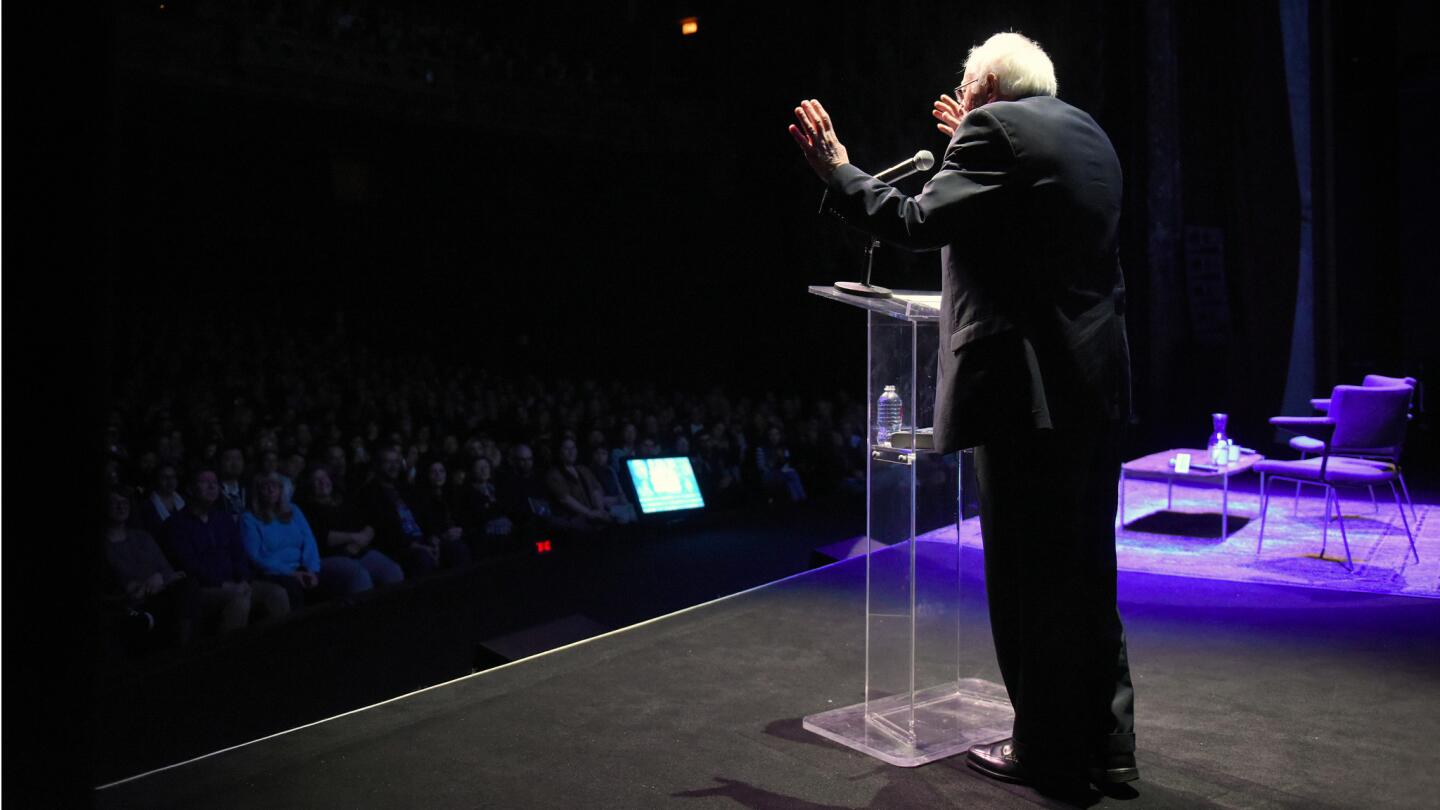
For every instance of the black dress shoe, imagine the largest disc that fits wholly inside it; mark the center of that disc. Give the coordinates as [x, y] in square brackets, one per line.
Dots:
[1114, 769]
[998, 760]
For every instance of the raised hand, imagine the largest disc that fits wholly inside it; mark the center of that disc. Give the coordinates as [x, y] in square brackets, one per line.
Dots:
[947, 111]
[815, 135]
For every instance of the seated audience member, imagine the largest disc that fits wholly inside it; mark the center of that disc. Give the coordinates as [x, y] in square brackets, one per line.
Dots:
[270, 465]
[358, 471]
[205, 539]
[293, 468]
[232, 489]
[772, 463]
[336, 462]
[479, 504]
[450, 451]
[282, 546]
[340, 530]
[146, 585]
[613, 492]
[578, 501]
[304, 439]
[145, 468]
[721, 478]
[163, 503]
[627, 448]
[386, 504]
[682, 445]
[434, 512]
[491, 449]
[523, 494]
[411, 466]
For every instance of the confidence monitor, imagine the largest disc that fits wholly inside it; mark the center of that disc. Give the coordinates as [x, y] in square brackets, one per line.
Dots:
[664, 484]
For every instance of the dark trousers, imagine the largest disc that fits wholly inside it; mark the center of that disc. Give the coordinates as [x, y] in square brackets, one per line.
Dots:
[453, 554]
[1047, 514]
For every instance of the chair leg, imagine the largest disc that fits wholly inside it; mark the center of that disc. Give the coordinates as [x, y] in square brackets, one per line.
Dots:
[1264, 508]
[1122, 497]
[1325, 533]
[1406, 490]
[1405, 522]
[1295, 512]
[1349, 562]
[1374, 504]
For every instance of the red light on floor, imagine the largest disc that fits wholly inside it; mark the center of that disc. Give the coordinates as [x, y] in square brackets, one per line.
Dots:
[689, 26]
[542, 546]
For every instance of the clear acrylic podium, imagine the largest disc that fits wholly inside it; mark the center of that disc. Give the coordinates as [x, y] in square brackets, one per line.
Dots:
[917, 707]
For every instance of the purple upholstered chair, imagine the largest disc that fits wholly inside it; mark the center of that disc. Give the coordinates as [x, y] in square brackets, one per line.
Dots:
[1308, 446]
[1367, 421]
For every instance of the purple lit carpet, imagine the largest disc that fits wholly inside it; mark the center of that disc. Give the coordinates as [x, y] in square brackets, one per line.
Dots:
[1184, 539]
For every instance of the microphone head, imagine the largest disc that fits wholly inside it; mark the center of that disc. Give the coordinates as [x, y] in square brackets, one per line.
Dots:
[924, 160]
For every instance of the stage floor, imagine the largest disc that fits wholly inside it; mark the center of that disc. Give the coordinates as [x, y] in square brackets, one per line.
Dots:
[1248, 695]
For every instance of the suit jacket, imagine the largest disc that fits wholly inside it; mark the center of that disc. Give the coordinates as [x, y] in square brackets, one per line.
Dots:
[1026, 210]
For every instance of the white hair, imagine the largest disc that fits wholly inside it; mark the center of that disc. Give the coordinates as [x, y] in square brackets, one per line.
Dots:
[1020, 65]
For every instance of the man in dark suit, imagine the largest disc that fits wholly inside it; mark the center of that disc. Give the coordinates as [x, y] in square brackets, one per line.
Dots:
[1034, 374]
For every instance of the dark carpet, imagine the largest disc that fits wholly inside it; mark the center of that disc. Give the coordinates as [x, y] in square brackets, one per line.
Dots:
[1247, 696]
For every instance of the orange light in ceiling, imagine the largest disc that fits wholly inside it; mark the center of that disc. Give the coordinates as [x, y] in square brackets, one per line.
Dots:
[689, 26]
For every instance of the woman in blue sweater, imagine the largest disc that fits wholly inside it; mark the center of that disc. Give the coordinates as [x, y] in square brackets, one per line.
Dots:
[281, 545]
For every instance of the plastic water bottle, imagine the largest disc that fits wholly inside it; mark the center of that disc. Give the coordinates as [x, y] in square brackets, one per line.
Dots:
[889, 414]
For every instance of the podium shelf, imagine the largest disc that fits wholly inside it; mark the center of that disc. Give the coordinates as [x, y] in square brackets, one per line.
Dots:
[910, 305]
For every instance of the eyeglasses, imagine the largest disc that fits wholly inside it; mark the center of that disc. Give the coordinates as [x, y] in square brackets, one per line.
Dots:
[962, 86]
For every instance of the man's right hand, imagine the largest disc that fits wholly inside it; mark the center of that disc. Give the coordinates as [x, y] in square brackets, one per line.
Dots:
[815, 135]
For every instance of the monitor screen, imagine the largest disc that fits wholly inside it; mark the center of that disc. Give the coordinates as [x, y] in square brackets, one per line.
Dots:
[664, 484]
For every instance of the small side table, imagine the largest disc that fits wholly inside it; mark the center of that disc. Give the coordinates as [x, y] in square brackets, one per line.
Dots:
[1157, 467]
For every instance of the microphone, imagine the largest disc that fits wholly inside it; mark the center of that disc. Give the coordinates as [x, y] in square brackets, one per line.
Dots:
[922, 162]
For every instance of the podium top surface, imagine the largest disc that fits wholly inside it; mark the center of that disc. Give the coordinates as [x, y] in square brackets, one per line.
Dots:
[911, 305]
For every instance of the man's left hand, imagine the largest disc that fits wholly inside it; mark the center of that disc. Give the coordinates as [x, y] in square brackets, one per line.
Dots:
[817, 140]
[948, 112]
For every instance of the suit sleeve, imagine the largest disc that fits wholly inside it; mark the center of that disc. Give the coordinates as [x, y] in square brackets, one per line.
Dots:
[978, 168]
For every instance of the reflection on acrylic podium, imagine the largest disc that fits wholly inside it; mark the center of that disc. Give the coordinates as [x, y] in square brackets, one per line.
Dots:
[918, 706]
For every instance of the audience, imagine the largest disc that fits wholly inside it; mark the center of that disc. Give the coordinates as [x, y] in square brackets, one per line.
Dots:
[386, 504]
[577, 498]
[522, 492]
[232, 490]
[205, 543]
[479, 505]
[348, 429]
[143, 581]
[772, 464]
[341, 531]
[612, 494]
[436, 516]
[164, 501]
[282, 546]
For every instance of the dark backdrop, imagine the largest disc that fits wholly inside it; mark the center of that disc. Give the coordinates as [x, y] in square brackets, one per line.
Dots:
[653, 221]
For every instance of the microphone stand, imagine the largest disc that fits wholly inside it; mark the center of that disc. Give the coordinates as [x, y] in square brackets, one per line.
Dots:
[865, 290]
[862, 289]
[922, 161]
